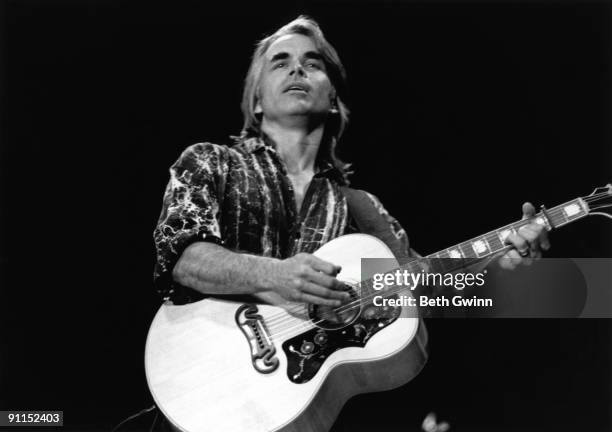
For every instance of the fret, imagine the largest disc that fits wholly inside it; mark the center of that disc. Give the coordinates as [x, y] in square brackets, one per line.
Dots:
[435, 265]
[447, 260]
[571, 210]
[421, 265]
[520, 224]
[516, 226]
[450, 264]
[494, 241]
[504, 233]
[556, 216]
[568, 212]
[455, 252]
[574, 210]
[413, 266]
[480, 247]
[442, 262]
[445, 265]
[564, 216]
[468, 251]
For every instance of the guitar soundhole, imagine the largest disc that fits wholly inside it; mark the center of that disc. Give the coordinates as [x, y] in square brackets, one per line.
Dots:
[336, 317]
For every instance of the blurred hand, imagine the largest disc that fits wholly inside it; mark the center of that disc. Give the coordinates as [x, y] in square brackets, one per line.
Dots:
[305, 278]
[529, 242]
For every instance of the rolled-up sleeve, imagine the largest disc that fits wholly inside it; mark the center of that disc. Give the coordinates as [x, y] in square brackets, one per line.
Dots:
[191, 210]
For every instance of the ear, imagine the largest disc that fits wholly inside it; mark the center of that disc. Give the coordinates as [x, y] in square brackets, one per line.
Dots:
[258, 109]
[333, 95]
[333, 101]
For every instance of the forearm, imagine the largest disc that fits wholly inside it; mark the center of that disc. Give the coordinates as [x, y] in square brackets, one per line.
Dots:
[212, 269]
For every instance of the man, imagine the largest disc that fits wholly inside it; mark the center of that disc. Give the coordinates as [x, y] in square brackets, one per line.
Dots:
[245, 220]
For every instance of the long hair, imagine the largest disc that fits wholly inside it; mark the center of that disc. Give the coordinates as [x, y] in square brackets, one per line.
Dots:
[336, 123]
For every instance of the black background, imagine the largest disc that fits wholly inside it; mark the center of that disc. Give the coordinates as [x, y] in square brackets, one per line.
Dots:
[461, 111]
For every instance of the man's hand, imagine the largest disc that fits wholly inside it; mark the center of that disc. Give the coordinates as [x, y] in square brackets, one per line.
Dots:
[529, 242]
[305, 278]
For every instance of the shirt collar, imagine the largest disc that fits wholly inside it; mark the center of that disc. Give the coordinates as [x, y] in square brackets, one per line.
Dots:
[328, 170]
[325, 167]
[254, 144]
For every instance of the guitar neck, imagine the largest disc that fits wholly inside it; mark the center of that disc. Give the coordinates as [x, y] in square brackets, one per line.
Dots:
[493, 242]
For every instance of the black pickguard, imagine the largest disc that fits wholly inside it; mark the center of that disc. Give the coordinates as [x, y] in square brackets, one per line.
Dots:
[307, 352]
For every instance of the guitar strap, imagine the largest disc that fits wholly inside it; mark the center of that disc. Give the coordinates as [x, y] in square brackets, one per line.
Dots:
[370, 221]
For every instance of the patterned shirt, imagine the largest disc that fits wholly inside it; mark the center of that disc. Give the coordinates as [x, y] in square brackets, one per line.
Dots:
[241, 197]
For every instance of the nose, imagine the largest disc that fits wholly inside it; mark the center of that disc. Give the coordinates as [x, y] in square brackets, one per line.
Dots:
[298, 69]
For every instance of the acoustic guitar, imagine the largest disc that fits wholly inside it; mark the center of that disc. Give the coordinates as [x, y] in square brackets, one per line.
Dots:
[222, 365]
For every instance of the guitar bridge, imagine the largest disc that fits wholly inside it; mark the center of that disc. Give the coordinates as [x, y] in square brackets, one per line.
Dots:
[263, 353]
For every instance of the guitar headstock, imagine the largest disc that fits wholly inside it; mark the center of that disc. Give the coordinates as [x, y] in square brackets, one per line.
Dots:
[600, 201]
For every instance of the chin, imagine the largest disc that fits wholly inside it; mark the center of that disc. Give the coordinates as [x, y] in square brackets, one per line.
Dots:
[306, 108]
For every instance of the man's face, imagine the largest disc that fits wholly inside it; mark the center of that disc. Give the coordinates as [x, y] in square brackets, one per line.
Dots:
[294, 81]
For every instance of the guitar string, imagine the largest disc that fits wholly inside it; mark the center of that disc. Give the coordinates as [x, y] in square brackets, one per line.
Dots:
[348, 306]
[281, 330]
[596, 197]
[356, 304]
[488, 236]
[303, 325]
[274, 321]
[280, 317]
[279, 324]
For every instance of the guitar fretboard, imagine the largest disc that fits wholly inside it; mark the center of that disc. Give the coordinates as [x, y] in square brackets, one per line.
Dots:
[466, 253]
[469, 252]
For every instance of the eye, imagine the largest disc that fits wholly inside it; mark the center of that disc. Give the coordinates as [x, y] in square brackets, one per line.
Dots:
[313, 65]
[279, 65]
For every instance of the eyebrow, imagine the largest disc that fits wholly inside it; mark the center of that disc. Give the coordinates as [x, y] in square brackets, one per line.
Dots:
[283, 55]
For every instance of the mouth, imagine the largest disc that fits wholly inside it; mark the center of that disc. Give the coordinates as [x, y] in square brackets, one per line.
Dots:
[297, 87]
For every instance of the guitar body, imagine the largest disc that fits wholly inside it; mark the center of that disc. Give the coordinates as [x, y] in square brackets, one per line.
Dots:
[204, 372]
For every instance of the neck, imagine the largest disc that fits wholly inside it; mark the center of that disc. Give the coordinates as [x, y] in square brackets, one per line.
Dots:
[297, 146]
